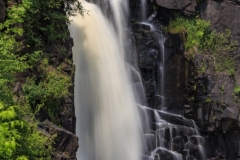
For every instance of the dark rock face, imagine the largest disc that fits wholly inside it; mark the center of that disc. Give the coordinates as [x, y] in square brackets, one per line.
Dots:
[172, 133]
[213, 108]
[150, 48]
[2, 11]
[217, 87]
[148, 52]
[66, 143]
[222, 15]
[176, 72]
[135, 9]
[192, 87]
[185, 6]
[223, 146]
[66, 115]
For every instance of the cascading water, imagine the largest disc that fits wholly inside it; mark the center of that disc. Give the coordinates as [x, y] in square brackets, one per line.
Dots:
[143, 10]
[170, 140]
[161, 40]
[117, 12]
[107, 124]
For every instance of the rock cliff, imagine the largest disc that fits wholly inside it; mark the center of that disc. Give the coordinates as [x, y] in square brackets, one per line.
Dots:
[206, 96]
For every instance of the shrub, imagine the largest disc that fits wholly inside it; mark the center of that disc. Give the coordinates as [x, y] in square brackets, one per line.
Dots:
[42, 22]
[48, 90]
[200, 39]
[19, 139]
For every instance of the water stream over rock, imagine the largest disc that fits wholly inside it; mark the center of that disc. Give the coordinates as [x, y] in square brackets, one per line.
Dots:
[119, 117]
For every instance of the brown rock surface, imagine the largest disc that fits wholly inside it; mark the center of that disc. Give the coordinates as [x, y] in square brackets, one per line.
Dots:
[186, 6]
[2, 11]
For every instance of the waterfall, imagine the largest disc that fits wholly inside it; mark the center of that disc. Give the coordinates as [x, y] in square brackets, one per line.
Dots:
[143, 10]
[161, 40]
[117, 12]
[108, 125]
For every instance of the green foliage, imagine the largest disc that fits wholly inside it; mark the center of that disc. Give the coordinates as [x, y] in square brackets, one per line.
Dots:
[10, 62]
[30, 26]
[224, 63]
[74, 6]
[22, 158]
[208, 100]
[200, 39]
[237, 91]
[48, 91]
[46, 23]
[199, 34]
[222, 90]
[9, 133]
[236, 94]
[203, 69]
[18, 139]
[155, 7]
[191, 99]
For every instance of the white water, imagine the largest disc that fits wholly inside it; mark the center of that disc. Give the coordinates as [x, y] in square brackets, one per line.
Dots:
[161, 66]
[162, 70]
[200, 147]
[176, 156]
[117, 11]
[143, 10]
[157, 116]
[107, 123]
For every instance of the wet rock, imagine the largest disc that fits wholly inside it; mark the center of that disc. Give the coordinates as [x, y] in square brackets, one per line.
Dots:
[143, 26]
[165, 154]
[149, 88]
[177, 143]
[135, 9]
[149, 143]
[147, 53]
[176, 73]
[171, 118]
[223, 145]
[197, 140]
[152, 56]
[192, 148]
[146, 157]
[147, 47]
[190, 157]
[147, 58]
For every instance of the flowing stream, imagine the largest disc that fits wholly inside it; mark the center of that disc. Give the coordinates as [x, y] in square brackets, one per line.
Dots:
[108, 125]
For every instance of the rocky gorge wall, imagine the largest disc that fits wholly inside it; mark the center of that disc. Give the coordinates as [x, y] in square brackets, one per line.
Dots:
[206, 96]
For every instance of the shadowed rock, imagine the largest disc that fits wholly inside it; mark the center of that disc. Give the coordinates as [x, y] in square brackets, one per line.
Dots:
[2, 11]
[185, 6]
[65, 143]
